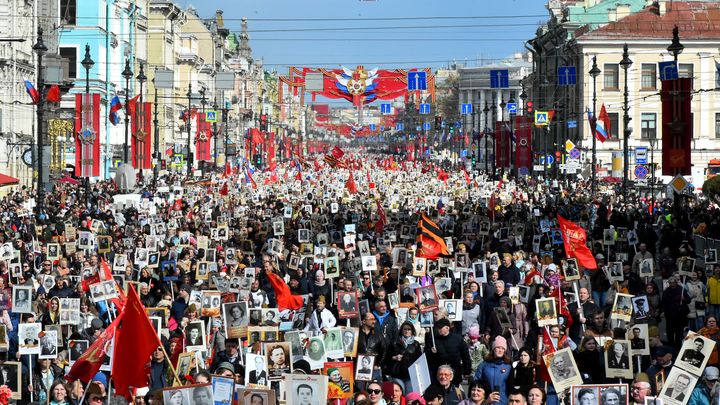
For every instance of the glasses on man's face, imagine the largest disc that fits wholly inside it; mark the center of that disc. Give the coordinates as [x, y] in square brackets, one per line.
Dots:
[96, 398]
[374, 392]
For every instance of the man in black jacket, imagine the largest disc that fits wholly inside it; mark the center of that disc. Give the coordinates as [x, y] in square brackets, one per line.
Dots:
[581, 314]
[371, 342]
[449, 348]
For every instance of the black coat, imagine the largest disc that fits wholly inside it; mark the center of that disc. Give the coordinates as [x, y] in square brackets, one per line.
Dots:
[411, 353]
[451, 350]
[521, 378]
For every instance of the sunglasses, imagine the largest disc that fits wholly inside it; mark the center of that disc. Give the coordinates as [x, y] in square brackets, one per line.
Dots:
[96, 398]
[375, 392]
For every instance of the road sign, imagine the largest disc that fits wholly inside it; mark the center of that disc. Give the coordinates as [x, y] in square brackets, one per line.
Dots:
[572, 124]
[466, 109]
[679, 184]
[668, 70]
[425, 108]
[211, 116]
[541, 118]
[538, 168]
[641, 155]
[499, 79]
[399, 126]
[512, 108]
[426, 126]
[177, 160]
[523, 171]
[417, 81]
[382, 127]
[549, 159]
[418, 128]
[569, 145]
[567, 75]
[385, 109]
[372, 127]
[641, 171]
[574, 153]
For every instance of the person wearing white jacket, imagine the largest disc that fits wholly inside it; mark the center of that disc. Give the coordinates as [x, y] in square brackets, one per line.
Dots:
[321, 318]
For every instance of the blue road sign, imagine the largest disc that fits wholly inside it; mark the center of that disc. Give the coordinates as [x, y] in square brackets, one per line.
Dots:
[466, 109]
[641, 155]
[572, 124]
[426, 126]
[567, 75]
[574, 153]
[523, 171]
[382, 127]
[668, 70]
[549, 159]
[499, 79]
[417, 81]
[425, 108]
[372, 127]
[211, 116]
[641, 171]
[399, 126]
[385, 109]
[418, 128]
[512, 108]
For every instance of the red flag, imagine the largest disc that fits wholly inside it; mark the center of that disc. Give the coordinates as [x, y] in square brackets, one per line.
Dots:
[285, 299]
[89, 363]
[136, 340]
[228, 170]
[380, 224]
[87, 135]
[467, 176]
[548, 348]
[574, 239]
[224, 189]
[132, 105]
[350, 184]
[53, 95]
[337, 153]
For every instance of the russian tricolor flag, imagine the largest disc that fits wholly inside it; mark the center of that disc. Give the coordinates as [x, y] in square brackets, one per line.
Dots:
[32, 92]
[249, 178]
[115, 106]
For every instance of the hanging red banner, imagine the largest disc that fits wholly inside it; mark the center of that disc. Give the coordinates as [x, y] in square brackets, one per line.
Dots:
[87, 135]
[523, 142]
[502, 144]
[141, 136]
[677, 128]
[202, 139]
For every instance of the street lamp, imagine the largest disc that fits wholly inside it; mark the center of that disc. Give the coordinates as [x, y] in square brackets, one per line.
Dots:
[493, 123]
[215, 135]
[625, 63]
[502, 135]
[156, 137]
[511, 115]
[140, 120]
[127, 73]
[676, 48]
[653, 144]
[594, 73]
[39, 48]
[486, 131]
[189, 153]
[87, 63]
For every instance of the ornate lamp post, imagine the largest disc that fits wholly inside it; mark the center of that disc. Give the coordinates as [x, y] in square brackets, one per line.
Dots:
[87, 63]
[625, 63]
[486, 132]
[39, 48]
[127, 73]
[594, 73]
[140, 137]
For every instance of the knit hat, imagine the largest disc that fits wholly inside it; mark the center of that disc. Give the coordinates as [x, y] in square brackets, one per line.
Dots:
[414, 396]
[331, 369]
[499, 342]
[653, 331]
[227, 366]
[442, 322]
[711, 373]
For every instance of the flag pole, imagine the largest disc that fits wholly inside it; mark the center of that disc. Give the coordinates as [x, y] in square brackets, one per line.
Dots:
[172, 368]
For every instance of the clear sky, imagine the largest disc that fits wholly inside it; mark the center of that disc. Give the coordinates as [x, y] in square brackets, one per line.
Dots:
[380, 33]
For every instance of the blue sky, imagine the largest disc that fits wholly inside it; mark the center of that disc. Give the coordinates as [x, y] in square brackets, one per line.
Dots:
[380, 33]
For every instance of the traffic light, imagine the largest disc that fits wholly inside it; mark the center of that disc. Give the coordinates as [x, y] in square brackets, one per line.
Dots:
[452, 128]
[163, 164]
[263, 122]
[529, 106]
[438, 122]
[473, 160]
[257, 159]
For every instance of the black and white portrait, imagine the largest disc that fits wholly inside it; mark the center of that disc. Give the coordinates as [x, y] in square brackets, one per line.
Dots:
[278, 359]
[639, 342]
[695, 353]
[562, 368]
[29, 338]
[641, 307]
[195, 336]
[364, 368]
[617, 360]
[22, 299]
[236, 317]
[678, 387]
[316, 352]
[48, 344]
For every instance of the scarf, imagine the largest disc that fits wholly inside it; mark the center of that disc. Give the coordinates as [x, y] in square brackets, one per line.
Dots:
[381, 318]
[408, 340]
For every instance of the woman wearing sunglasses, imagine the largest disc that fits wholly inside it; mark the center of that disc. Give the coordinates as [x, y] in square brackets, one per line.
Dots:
[375, 393]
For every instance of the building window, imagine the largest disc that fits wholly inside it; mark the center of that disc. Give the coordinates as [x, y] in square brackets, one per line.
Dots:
[649, 76]
[685, 70]
[648, 125]
[614, 125]
[611, 74]
[717, 125]
[70, 54]
[68, 12]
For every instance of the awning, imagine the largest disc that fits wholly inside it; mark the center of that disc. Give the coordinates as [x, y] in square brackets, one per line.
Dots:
[6, 180]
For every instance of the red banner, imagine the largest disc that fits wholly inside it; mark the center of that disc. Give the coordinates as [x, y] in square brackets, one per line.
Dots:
[502, 144]
[523, 142]
[141, 136]
[677, 126]
[574, 238]
[87, 135]
[202, 139]
[270, 144]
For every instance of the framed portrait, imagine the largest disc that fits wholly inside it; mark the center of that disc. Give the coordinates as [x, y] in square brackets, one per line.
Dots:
[546, 311]
[223, 389]
[191, 394]
[363, 307]
[304, 389]
[236, 318]
[570, 269]
[586, 394]
[694, 353]
[255, 396]
[710, 256]
[340, 379]
[453, 308]
[427, 299]
[48, 344]
[162, 313]
[278, 228]
[278, 359]
[349, 340]
[686, 266]
[394, 300]
[195, 336]
[104, 243]
[29, 338]
[53, 251]
[442, 284]
[562, 369]
[615, 272]
[618, 360]
[462, 260]
[316, 352]
[426, 319]
[364, 367]
[600, 394]
[211, 303]
[480, 270]
[622, 307]
[524, 293]
[76, 348]
[678, 387]
[270, 317]
[10, 376]
[22, 299]
[641, 307]
[347, 303]
[608, 237]
[332, 267]
[639, 339]
[333, 343]
[647, 268]
[369, 263]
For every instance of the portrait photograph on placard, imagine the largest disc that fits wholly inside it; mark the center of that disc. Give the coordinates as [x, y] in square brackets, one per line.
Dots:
[278, 358]
[10, 376]
[678, 387]
[686, 266]
[570, 269]
[454, 309]
[340, 379]
[347, 304]
[256, 373]
[639, 339]
[195, 336]
[255, 396]
[546, 311]
[316, 352]
[364, 367]
[350, 340]
[419, 266]
[305, 389]
[563, 369]
[641, 307]
[695, 353]
[427, 298]
[22, 299]
[647, 267]
[29, 338]
[236, 319]
[618, 359]
[622, 307]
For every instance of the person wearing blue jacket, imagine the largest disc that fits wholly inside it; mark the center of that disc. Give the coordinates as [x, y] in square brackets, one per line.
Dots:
[496, 368]
[703, 389]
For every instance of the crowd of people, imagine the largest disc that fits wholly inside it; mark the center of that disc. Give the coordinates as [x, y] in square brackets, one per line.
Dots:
[312, 284]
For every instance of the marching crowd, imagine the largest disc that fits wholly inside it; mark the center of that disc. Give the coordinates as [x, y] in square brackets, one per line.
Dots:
[488, 306]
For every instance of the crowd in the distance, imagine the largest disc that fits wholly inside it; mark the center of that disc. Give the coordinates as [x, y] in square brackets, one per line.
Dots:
[484, 348]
